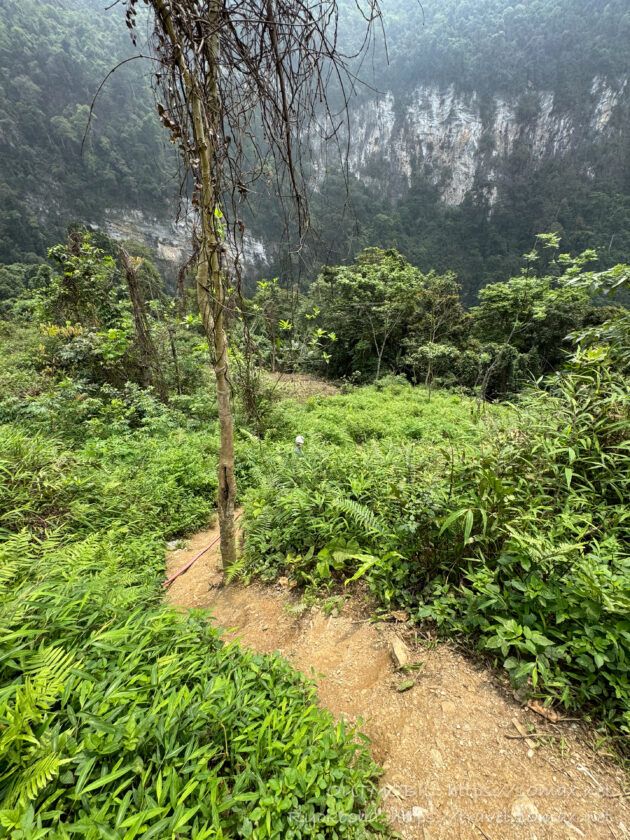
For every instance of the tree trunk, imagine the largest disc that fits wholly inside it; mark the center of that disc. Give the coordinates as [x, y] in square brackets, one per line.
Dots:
[149, 360]
[428, 380]
[205, 109]
[211, 299]
[378, 364]
[209, 277]
[171, 338]
[272, 336]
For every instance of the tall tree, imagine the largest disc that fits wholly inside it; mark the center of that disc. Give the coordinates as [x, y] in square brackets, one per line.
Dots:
[367, 306]
[242, 83]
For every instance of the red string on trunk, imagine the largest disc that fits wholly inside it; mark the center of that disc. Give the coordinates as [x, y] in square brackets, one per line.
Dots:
[194, 560]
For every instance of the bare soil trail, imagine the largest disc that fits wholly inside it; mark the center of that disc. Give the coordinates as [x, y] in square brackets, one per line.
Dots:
[456, 766]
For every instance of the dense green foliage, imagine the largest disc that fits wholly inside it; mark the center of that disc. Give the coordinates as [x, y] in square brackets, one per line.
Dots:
[118, 717]
[54, 56]
[89, 345]
[496, 46]
[516, 534]
[382, 315]
[507, 525]
[508, 528]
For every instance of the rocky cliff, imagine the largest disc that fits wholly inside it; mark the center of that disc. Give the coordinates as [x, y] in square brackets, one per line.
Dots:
[466, 144]
[462, 141]
[171, 240]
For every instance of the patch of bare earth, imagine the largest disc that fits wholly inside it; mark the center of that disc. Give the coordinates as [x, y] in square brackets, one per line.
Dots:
[301, 386]
[456, 765]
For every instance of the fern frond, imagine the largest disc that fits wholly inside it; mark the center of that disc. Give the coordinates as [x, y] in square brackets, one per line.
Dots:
[361, 515]
[47, 671]
[236, 569]
[8, 571]
[28, 785]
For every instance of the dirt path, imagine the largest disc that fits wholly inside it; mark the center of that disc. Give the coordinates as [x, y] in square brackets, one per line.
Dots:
[451, 771]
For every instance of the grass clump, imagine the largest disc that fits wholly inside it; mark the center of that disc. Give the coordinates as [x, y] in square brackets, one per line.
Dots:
[348, 505]
[383, 412]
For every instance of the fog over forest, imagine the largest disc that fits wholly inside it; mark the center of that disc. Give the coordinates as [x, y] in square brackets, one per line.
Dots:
[493, 123]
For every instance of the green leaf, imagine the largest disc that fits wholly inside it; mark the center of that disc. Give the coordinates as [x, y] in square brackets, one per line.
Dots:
[468, 525]
[107, 778]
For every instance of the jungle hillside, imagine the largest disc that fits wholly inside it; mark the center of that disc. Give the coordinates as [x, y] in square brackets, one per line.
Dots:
[314, 467]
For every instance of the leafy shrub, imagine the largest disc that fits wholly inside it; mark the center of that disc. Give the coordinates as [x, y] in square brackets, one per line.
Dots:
[34, 484]
[395, 384]
[543, 539]
[77, 410]
[195, 410]
[18, 373]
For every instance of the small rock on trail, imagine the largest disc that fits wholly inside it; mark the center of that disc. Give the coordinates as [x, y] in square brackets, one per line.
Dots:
[400, 652]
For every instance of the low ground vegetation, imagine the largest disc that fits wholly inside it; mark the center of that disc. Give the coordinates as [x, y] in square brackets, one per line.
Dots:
[512, 530]
[119, 717]
[505, 524]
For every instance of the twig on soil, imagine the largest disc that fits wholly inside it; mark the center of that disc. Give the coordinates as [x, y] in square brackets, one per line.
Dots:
[587, 772]
[548, 714]
[394, 791]
[521, 731]
[611, 830]
[481, 831]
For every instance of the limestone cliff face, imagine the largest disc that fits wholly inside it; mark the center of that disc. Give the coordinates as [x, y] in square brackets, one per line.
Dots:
[462, 140]
[171, 240]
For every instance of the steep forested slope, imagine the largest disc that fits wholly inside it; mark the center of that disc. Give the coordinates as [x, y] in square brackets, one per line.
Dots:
[494, 122]
[53, 56]
[496, 45]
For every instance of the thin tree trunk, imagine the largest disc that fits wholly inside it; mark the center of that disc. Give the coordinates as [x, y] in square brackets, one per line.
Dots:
[378, 364]
[209, 285]
[211, 299]
[379, 351]
[171, 338]
[149, 360]
[210, 290]
[272, 335]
